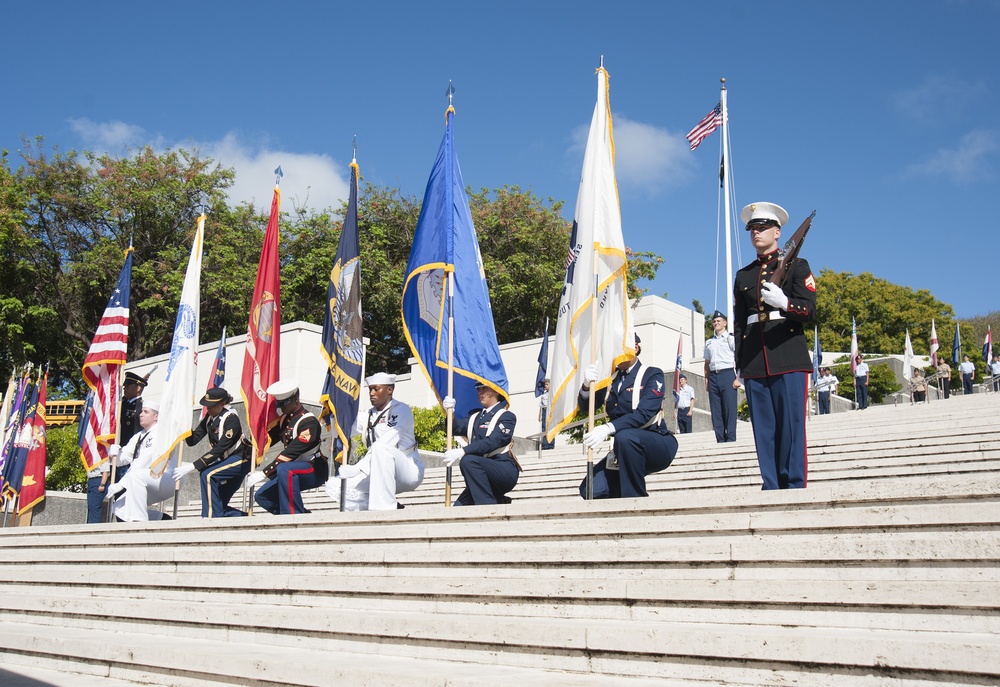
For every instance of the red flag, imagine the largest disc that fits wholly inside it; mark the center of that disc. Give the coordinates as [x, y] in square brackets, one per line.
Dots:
[261, 361]
[101, 368]
[33, 481]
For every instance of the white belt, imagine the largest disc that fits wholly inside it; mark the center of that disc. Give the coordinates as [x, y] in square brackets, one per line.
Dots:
[764, 317]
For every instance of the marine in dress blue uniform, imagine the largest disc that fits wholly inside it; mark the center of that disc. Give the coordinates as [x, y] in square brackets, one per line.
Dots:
[300, 466]
[720, 373]
[487, 462]
[772, 356]
[642, 443]
[221, 470]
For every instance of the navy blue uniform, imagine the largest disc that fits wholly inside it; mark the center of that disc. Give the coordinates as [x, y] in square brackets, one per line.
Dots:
[222, 469]
[773, 358]
[488, 465]
[306, 468]
[640, 451]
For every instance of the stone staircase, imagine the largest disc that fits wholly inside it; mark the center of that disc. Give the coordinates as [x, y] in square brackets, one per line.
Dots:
[883, 572]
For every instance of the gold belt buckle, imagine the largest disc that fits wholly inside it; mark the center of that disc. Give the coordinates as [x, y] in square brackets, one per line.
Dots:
[762, 317]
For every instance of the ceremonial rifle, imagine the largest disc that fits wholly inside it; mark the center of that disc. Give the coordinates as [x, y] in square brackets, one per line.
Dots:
[790, 251]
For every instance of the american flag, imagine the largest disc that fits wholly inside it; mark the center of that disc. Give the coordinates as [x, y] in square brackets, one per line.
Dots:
[217, 375]
[701, 130]
[934, 345]
[101, 369]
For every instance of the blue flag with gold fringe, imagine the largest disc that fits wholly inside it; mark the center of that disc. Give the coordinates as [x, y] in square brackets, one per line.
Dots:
[445, 282]
[343, 347]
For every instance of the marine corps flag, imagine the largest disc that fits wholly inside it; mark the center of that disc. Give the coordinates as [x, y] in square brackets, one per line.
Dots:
[101, 369]
[33, 478]
[598, 267]
[262, 358]
[445, 281]
[178, 400]
[342, 346]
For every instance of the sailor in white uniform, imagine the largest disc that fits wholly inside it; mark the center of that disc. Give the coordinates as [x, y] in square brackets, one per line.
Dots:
[142, 488]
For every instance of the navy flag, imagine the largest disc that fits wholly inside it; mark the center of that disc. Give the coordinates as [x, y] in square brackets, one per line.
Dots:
[445, 277]
[543, 363]
[342, 346]
[22, 442]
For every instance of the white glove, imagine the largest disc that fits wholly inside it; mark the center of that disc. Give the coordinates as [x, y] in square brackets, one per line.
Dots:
[600, 433]
[114, 450]
[113, 490]
[448, 403]
[774, 296]
[181, 470]
[255, 478]
[452, 455]
[348, 471]
[590, 374]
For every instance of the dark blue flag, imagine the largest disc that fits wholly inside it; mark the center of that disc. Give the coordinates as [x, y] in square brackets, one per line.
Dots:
[445, 279]
[22, 440]
[343, 346]
[817, 355]
[543, 363]
[956, 346]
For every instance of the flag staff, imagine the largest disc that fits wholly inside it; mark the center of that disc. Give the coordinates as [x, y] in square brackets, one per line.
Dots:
[726, 193]
[450, 276]
[591, 401]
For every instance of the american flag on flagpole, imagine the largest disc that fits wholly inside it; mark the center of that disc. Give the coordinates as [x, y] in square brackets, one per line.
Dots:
[101, 369]
[701, 130]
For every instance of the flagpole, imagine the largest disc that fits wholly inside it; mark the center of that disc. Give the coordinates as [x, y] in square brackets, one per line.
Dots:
[726, 190]
[591, 408]
[451, 381]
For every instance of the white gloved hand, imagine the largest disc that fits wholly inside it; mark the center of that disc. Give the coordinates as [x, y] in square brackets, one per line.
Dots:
[591, 374]
[348, 471]
[452, 455]
[448, 403]
[114, 450]
[181, 470]
[113, 490]
[600, 433]
[255, 478]
[774, 296]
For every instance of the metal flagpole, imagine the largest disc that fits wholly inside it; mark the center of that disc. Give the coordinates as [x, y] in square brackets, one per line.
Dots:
[726, 193]
[591, 409]
[451, 374]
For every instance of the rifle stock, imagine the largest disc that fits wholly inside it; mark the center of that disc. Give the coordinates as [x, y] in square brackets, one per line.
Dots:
[791, 251]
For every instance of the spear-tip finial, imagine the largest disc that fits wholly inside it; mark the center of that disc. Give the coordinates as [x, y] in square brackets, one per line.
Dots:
[277, 175]
[451, 92]
[354, 149]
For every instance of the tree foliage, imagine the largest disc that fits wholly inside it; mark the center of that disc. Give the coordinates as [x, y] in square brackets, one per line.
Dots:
[883, 312]
[66, 220]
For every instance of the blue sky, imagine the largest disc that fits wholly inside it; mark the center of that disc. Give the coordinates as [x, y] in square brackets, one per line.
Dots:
[882, 116]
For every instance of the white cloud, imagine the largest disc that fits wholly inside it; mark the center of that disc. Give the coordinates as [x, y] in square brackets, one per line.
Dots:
[647, 158]
[938, 97]
[966, 162]
[311, 180]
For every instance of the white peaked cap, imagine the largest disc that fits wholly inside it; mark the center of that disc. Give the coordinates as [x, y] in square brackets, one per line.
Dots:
[284, 388]
[152, 405]
[381, 378]
[764, 211]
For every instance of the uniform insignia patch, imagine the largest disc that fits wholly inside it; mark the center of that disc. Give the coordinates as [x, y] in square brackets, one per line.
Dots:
[392, 420]
[658, 388]
[305, 436]
[810, 283]
[503, 429]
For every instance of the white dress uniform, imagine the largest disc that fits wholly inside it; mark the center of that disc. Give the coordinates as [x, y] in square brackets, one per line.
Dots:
[391, 465]
[142, 489]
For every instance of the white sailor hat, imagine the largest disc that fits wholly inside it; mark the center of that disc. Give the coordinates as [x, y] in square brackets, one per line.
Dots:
[381, 378]
[762, 213]
[152, 405]
[284, 388]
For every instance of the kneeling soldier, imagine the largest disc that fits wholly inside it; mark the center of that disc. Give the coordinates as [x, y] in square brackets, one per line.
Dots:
[300, 466]
[223, 468]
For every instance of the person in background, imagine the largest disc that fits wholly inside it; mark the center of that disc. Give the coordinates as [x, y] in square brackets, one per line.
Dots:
[968, 371]
[684, 406]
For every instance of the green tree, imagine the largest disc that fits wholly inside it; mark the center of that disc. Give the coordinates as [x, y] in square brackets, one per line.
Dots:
[65, 470]
[881, 380]
[883, 311]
